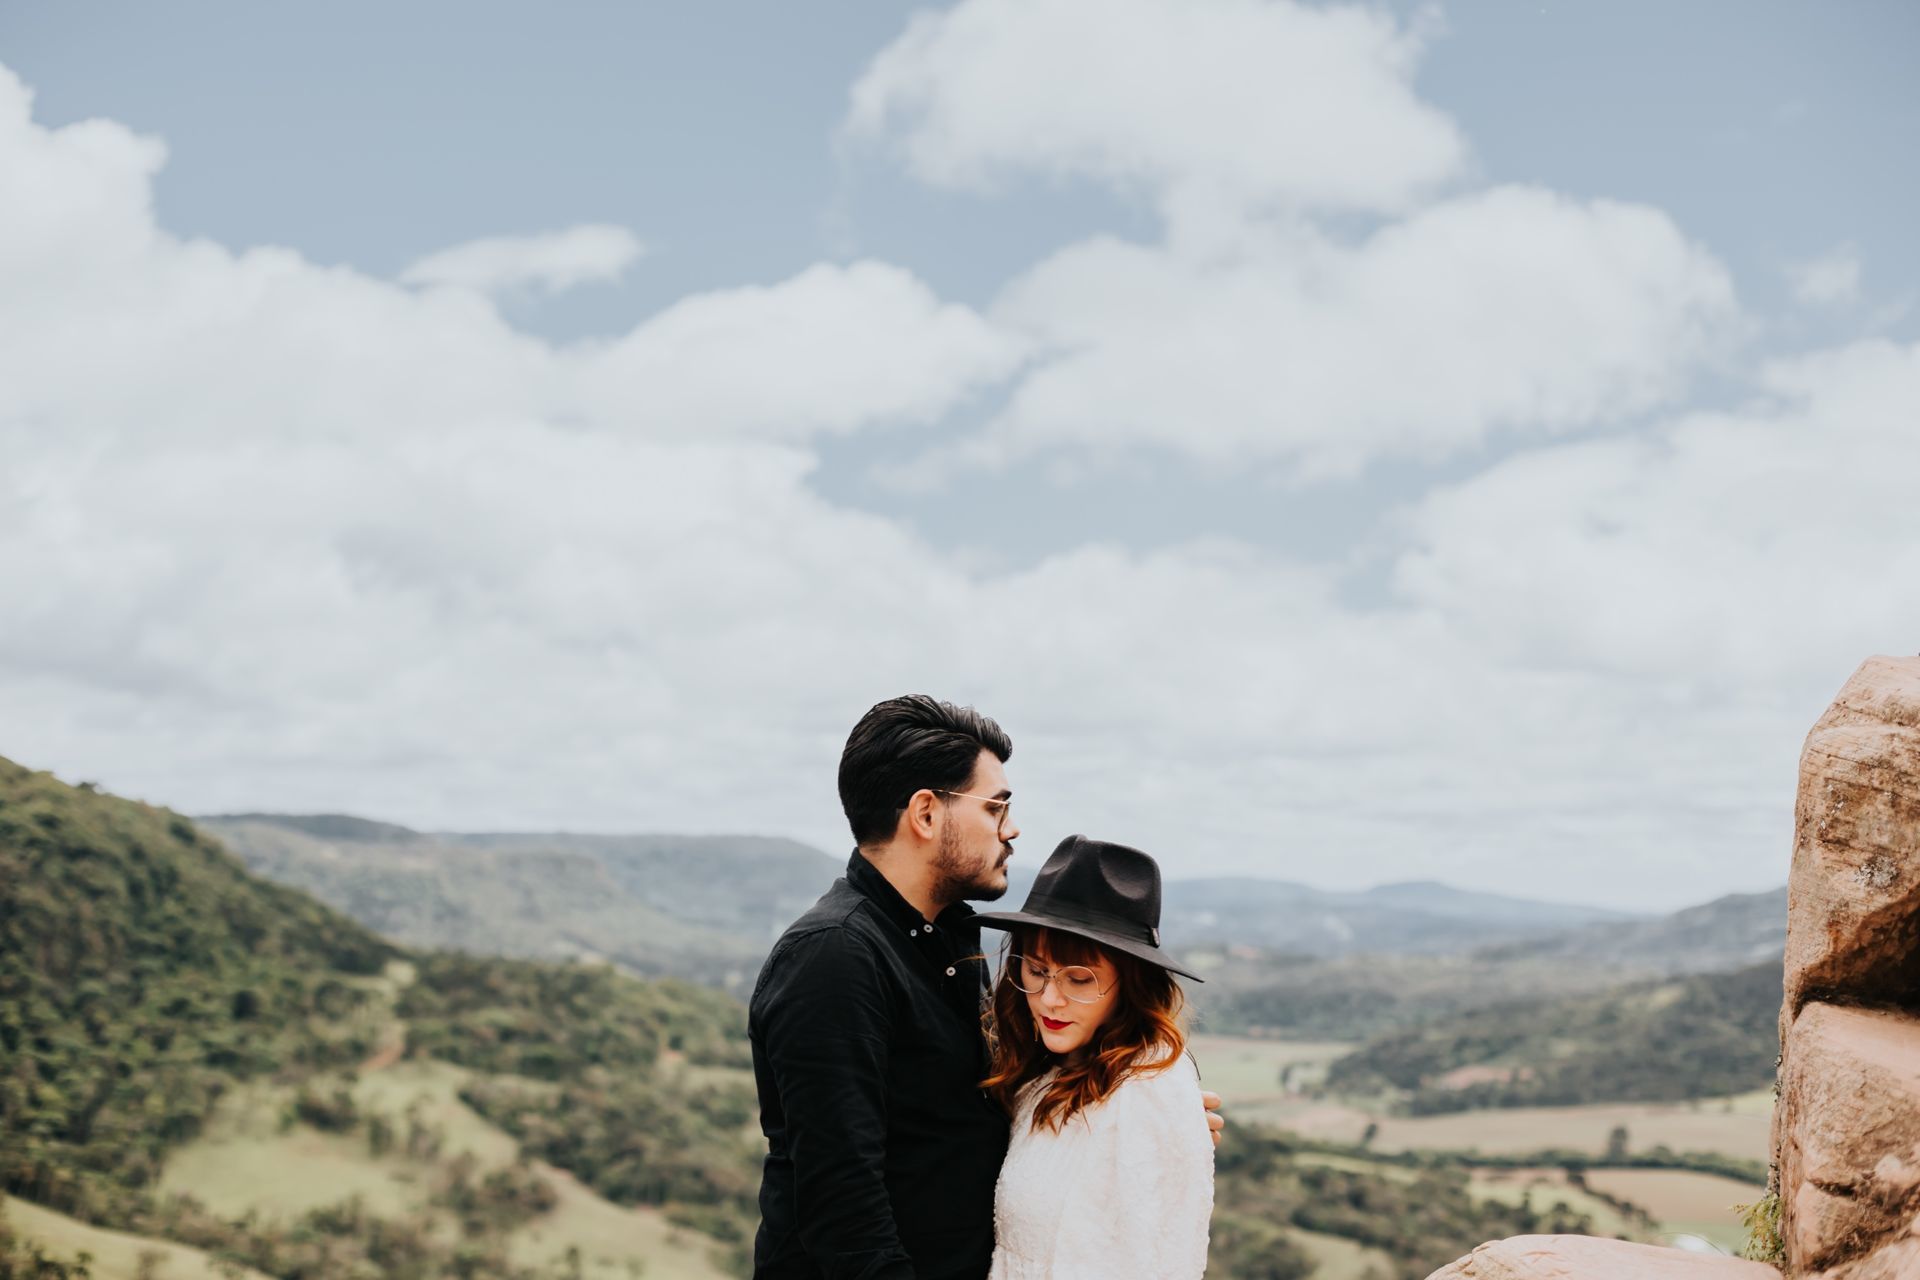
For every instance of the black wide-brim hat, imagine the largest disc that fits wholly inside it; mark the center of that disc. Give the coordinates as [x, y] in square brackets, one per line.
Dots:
[1105, 893]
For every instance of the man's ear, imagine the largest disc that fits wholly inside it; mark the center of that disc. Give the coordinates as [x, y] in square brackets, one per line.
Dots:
[923, 813]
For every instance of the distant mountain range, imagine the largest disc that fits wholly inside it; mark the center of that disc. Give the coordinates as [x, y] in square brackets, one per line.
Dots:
[697, 907]
[749, 887]
[1412, 917]
[707, 907]
[1739, 929]
[1362, 995]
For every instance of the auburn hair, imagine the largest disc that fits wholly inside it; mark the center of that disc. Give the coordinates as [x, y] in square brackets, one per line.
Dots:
[1143, 1035]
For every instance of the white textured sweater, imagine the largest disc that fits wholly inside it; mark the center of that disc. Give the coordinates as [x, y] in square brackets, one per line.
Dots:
[1123, 1192]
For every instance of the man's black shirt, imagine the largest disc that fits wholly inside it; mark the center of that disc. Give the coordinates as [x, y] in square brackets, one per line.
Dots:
[867, 1054]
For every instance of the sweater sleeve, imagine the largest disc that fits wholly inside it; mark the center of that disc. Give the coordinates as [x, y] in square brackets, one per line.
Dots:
[1149, 1200]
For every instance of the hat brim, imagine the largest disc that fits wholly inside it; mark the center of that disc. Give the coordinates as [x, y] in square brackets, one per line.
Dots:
[1132, 946]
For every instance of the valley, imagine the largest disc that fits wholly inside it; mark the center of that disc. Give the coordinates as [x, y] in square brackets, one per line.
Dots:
[516, 1057]
[1579, 1156]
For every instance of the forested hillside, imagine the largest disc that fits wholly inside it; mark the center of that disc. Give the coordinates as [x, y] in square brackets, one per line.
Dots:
[147, 981]
[146, 976]
[1419, 1217]
[688, 1142]
[142, 972]
[1696, 1037]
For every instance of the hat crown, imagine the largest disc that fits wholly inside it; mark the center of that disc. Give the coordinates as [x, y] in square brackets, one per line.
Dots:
[1107, 893]
[1106, 883]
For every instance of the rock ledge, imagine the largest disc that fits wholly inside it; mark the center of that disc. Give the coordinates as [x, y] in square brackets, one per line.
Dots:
[1592, 1258]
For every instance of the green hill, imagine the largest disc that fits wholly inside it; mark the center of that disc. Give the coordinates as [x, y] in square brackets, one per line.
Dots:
[196, 1056]
[1657, 1041]
[209, 1074]
[142, 971]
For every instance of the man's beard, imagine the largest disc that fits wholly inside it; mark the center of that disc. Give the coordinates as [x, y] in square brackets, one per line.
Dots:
[955, 876]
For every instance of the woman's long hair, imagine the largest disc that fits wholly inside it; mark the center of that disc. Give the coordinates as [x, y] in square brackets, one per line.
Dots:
[1141, 1036]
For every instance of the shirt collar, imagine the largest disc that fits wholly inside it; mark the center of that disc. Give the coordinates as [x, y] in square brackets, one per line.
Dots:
[866, 877]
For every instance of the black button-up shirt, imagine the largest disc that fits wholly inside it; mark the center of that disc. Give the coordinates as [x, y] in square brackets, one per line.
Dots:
[868, 1054]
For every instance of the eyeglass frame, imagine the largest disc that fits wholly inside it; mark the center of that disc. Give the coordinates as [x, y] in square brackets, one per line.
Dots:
[1053, 974]
[1005, 803]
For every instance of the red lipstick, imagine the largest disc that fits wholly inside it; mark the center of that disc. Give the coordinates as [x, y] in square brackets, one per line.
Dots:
[1051, 1025]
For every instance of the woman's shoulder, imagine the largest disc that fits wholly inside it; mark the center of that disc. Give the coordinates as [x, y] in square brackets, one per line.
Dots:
[1166, 1083]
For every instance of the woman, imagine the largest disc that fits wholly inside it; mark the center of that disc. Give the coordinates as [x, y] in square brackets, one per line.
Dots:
[1109, 1174]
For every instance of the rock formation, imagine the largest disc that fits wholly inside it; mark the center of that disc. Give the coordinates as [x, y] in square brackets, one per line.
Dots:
[1846, 1129]
[1593, 1258]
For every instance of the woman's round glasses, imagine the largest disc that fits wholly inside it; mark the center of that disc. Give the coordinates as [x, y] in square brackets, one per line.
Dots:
[1077, 982]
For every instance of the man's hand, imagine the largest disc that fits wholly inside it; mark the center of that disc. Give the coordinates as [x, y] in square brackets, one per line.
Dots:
[1215, 1121]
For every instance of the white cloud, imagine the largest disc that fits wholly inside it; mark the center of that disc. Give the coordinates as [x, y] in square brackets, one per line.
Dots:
[212, 348]
[1509, 311]
[1830, 280]
[553, 261]
[1729, 551]
[325, 536]
[274, 535]
[1202, 103]
[830, 350]
[1254, 334]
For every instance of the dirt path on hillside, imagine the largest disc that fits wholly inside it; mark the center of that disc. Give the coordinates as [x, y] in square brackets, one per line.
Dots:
[393, 1047]
[393, 1033]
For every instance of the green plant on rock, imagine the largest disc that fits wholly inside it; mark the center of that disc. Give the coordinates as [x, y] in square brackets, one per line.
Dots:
[1762, 1220]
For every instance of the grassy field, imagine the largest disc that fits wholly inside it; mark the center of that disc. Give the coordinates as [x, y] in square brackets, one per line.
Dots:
[431, 1090]
[1698, 1204]
[612, 1241]
[1550, 1186]
[1248, 1072]
[116, 1256]
[247, 1162]
[1679, 1126]
[1338, 1258]
[1732, 1127]
[244, 1162]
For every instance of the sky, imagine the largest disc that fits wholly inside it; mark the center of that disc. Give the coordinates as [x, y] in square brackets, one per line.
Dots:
[1339, 443]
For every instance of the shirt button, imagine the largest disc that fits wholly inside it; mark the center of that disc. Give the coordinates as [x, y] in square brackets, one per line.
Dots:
[950, 971]
[913, 933]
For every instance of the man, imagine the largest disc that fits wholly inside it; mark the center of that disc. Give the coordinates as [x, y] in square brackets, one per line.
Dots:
[865, 1020]
[867, 1049]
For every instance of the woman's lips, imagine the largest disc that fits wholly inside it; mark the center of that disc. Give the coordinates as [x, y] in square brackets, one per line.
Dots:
[1051, 1025]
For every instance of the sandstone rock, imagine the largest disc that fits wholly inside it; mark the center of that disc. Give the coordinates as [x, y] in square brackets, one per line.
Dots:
[1592, 1258]
[1848, 1130]
[1853, 913]
[1897, 1261]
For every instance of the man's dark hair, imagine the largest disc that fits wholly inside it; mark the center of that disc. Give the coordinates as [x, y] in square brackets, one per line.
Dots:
[902, 745]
